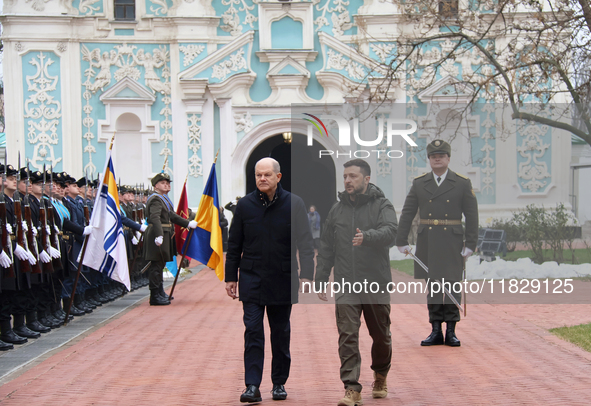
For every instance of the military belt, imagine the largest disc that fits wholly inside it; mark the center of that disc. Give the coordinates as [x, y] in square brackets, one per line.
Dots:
[167, 225]
[435, 222]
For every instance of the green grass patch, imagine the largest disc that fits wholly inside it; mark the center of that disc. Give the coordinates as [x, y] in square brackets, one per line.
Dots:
[582, 255]
[578, 335]
[404, 265]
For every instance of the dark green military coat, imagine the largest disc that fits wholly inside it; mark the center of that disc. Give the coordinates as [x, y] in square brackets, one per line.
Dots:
[159, 219]
[440, 247]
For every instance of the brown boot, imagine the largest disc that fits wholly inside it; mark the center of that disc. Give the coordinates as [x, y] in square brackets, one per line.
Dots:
[352, 398]
[380, 387]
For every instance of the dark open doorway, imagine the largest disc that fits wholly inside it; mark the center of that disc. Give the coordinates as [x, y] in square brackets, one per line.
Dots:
[304, 173]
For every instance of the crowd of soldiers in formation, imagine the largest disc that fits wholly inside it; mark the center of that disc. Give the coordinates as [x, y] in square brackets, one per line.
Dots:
[44, 218]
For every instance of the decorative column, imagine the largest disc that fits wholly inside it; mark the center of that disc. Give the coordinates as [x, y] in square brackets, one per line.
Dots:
[227, 145]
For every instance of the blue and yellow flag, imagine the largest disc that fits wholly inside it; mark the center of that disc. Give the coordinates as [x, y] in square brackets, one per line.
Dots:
[205, 241]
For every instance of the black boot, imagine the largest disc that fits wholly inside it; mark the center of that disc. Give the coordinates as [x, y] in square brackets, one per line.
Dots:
[450, 335]
[21, 329]
[79, 303]
[5, 346]
[91, 297]
[74, 311]
[9, 336]
[34, 324]
[156, 299]
[163, 293]
[436, 336]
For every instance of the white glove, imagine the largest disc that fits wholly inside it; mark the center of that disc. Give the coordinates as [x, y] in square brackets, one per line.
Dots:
[143, 228]
[34, 231]
[56, 228]
[138, 235]
[404, 249]
[134, 240]
[48, 229]
[5, 260]
[466, 252]
[159, 240]
[9, 228]
[32, 259]
[192, 224]
[87, 230]
[44, 257]
[54, 253]
[24, 224]
[21, 253]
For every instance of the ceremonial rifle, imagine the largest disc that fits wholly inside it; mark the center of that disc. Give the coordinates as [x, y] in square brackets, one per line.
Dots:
[45, 236]
[31, 239]
[86, 210]
[55, 242]
[4, 235]
[21, 237]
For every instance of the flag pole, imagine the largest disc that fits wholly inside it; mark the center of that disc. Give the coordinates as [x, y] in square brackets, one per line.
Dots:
[186, 245]
[66, 319]
[178, 272]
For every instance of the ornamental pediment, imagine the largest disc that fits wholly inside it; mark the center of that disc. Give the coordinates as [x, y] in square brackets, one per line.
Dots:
[288, 67]
[347, 61]
[449, 90]
[233, 58]
[128, 89]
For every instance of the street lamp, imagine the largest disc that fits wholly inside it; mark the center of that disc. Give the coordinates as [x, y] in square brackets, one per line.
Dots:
[287, 138]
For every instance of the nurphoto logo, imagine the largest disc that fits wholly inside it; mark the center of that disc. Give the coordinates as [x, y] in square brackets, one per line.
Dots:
[395, 127]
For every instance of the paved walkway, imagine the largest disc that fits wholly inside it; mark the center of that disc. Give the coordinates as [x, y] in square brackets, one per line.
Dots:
[190, 353]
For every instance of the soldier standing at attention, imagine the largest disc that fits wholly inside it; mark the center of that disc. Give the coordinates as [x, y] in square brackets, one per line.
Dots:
[442, 197]
[159, 246]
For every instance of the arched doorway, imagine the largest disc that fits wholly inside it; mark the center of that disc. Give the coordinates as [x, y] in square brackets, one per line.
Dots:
[127, 150]
[304, 173]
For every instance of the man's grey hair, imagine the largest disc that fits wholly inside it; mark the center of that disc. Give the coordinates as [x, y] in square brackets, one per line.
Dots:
[276, 166]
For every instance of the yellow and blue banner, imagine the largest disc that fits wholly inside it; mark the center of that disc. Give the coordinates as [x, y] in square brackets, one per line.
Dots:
[205, 241]
[106, 250]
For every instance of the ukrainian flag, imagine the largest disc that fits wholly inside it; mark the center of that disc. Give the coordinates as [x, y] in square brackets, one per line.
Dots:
[205, 241]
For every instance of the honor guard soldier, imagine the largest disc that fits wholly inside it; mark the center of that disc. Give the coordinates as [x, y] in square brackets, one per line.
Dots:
[442, 197]
[159, 246]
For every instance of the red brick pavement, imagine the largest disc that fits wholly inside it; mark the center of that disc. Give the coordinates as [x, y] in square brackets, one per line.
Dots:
[190, 353]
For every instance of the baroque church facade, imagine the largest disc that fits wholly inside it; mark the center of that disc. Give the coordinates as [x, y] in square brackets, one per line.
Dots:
[176, 81]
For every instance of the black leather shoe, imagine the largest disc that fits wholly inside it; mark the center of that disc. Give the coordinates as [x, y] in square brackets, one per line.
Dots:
[11, 337]
[251, 394]
[450, 335]
[157, 300]
[436, 336]
[279, 392]
[23, 331]
[38, 327]
[5, 346]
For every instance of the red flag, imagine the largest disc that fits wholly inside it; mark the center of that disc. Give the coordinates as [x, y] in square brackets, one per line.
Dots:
[182, 210]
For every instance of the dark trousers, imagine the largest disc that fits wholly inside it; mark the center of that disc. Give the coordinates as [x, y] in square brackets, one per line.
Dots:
[377, 319]
[440, 307]
[155, 274]
[254, 342]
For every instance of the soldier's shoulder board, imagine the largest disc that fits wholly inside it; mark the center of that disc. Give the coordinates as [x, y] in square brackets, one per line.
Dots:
[462, 176]
[420, 176]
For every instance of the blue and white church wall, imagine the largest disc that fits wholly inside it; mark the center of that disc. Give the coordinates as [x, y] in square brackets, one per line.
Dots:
[189, 78]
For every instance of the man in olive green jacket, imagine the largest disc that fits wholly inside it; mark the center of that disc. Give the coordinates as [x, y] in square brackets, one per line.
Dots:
[441, 197]
[357, 235]
[159, 245]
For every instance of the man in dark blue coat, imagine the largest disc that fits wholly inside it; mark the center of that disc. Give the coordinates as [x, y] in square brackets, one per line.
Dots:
[269, 226]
